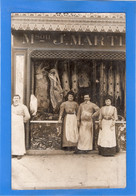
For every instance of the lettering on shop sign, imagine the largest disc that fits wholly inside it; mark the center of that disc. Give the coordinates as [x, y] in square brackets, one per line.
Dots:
[74, 39]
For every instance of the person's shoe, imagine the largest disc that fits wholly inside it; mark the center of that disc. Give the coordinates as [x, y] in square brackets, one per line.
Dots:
[85, 152]
[78, 152]
[19, 157]
[14, 156]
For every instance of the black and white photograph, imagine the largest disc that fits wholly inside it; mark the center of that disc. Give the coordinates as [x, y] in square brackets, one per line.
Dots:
[68, 112]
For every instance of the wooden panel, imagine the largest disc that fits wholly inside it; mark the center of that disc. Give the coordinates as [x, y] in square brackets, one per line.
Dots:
[18, 73]
[32, 77]
[27, 87]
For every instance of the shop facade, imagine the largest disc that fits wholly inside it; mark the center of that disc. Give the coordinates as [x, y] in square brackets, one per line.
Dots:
[54, 53]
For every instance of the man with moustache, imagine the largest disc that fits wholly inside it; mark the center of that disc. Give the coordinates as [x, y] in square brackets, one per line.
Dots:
[20, 115]
[86, 113]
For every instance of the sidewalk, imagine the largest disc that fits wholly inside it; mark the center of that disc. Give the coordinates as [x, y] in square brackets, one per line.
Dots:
[69, 171]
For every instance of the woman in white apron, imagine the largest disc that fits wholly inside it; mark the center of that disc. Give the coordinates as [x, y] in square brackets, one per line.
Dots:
[70, 129]
[107, 135]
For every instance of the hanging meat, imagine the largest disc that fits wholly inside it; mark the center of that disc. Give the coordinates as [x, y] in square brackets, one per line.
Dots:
[83, 78]
[65, 79]
[104, 81]
[111, 81]
[101, 79]
[42, 87]
[33, 105]
[56, 92]
[74, 79]
[118, 96]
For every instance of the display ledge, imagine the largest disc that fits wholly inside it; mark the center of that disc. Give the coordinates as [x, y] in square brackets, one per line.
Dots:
[117, 122]
[56, 121]
[45, 121]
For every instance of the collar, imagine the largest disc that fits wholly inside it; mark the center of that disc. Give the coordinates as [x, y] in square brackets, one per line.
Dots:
[87, 102]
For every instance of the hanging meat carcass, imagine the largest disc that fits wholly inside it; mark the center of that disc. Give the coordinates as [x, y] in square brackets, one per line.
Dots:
[111, 81]
[56, 92]
[83, 77]
[118, 94]
[42, 87]
[74, 79]
[103, 83]
[65, 79]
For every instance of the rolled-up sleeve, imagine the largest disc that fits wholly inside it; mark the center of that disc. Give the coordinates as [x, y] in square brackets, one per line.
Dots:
[96, 109]
[62, 107]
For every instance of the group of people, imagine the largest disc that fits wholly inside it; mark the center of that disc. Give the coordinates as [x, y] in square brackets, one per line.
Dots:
[77, 126]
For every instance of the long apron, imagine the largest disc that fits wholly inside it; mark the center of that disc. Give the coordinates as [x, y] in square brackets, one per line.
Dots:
[85, 141]
[107, 136]
[70, 130]
[18, 135]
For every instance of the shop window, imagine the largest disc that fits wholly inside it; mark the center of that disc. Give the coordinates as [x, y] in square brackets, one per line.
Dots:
[52, 79]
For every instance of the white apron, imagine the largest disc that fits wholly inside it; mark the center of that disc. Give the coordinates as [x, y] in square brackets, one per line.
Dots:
[107, 136]
[86, 132]
[18, 135]
[71, 128]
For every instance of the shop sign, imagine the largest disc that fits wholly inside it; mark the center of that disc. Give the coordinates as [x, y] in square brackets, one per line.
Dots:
[70, 39]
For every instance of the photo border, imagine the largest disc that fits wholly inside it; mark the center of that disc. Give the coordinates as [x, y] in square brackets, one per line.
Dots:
[24, 6]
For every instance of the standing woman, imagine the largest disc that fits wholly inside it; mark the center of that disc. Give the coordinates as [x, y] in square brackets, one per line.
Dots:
[70, 128]
[107, 134]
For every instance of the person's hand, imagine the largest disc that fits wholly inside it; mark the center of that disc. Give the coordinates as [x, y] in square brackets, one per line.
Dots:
[100, 125]
[78, 123]
[59, 121]
[58, 131]
[112, 124]
[25, 121]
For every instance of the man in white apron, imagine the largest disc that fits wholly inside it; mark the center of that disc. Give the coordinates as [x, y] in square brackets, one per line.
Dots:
[86, 112]
[20, 115]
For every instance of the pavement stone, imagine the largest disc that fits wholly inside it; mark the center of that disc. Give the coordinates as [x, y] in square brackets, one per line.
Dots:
[68, 171]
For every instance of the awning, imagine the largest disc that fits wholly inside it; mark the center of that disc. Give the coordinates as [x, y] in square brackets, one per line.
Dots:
[72, 22]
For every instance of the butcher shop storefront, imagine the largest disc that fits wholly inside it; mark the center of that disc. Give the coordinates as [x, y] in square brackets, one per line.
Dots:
[55, 53]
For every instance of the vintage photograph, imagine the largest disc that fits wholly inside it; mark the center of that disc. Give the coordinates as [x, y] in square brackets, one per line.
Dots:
[68, 112]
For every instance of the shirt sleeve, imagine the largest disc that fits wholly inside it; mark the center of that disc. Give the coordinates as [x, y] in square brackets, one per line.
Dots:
[115, 114]
[79, 113]
[77, 106]
[97, 110]
[100, 114]
[62, 107]
[26, 114]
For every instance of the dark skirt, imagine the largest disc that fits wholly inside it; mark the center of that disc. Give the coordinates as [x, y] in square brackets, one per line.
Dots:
[107, 151]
